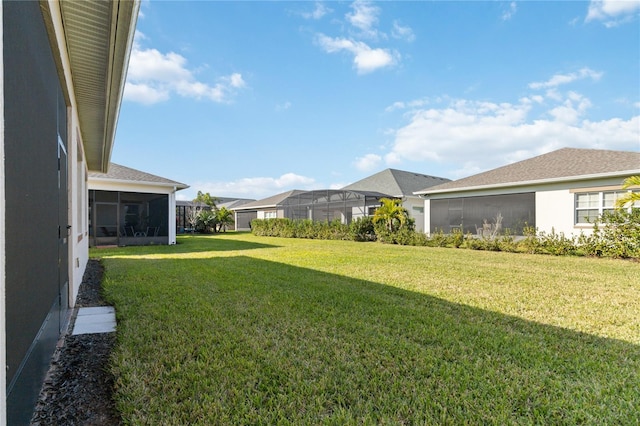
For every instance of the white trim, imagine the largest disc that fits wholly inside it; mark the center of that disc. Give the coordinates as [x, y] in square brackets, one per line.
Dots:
[106, 181]
[127, 186]
[172, 218]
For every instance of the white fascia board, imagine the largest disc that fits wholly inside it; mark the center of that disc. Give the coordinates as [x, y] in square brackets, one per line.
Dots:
[269, 206]
[124, 186]
[579, 178]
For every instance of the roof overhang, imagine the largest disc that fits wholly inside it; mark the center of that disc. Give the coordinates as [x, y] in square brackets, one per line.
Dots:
[177, 186]
[621, 174]
[98, 36]
[131, 186]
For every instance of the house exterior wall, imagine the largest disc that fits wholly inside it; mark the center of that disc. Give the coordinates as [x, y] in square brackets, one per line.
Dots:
[78, 210]
[77, 165]
[37, 278]
[554, 211]
[415, 207]
[554, 201]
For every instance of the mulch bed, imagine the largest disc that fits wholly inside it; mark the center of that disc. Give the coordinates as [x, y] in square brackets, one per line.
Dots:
[78, 389]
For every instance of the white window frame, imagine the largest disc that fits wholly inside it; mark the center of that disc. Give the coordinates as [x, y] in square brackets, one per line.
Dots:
[600, 202]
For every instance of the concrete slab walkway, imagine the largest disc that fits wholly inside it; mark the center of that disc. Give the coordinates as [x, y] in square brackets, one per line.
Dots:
[99, 319]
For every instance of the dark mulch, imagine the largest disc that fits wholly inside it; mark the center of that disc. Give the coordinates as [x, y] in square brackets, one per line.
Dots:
[78, 389]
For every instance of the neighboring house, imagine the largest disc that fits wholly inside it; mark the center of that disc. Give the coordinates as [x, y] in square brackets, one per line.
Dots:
[324, 205]
[359, 199]
[265, 208]
[327, 205]
[128, 207]
[183, 209]
[562, 191]
[63, 71]
[402, 185]
[232, 204]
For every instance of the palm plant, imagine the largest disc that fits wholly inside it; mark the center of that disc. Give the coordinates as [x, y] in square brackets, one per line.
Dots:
[224, 217]
[630, 197]
[391, 213]
[207, 219]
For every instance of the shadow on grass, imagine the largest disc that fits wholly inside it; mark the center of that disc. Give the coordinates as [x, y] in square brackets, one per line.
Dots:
[268, 342]
[186, 244]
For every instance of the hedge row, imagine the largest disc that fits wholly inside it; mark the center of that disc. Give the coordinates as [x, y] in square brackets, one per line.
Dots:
[615, 234]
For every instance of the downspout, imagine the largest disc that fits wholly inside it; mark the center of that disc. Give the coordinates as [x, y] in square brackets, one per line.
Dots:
[3, 326]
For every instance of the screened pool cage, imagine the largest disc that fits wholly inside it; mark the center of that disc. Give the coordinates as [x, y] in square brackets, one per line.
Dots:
[328, 205]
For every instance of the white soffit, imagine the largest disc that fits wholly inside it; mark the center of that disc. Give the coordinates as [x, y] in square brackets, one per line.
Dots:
[99, 35]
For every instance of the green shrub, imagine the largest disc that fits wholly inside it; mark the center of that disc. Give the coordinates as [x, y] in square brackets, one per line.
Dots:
[507, 242]
[530, 244]
[557, 244]
[438, 239]
[457, 238]
[288, 228]
[616, 234]
[362, 229]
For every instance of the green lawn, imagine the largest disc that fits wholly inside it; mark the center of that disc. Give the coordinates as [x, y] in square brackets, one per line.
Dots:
[238, 329]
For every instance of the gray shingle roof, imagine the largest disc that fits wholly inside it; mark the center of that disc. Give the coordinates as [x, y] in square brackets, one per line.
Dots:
[269, 201]
[118, 172]
[396, 183]
[563, 164]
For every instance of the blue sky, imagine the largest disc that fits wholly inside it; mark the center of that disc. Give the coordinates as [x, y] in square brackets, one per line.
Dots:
[250, 99]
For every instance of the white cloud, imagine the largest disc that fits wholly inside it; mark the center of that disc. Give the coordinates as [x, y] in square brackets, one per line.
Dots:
[365, 58]
[416, 103]
[283, 107]
[154, 76]
[483, 135]
[402, 32]
[363, 22]
[318, 12]
[508, 14]
[364, 17]
[256, 187]
[612, 12]
[367, 163]
[560, 79]
[145, 94]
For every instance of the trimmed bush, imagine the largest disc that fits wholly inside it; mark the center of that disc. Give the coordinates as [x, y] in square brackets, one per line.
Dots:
[616, 234]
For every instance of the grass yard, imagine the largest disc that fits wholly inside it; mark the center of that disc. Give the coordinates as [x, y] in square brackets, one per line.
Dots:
[238, 329]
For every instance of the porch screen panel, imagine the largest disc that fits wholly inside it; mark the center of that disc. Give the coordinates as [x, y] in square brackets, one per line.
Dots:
[159, 215]
[517, 211]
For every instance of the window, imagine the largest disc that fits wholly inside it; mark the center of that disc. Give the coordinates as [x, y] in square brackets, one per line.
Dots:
[590, 205]
[270, 214]
[587, 207]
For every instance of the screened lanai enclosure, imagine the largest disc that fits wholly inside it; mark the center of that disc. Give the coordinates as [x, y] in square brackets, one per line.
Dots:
[128, 218]
[328, 205]
[484, 215]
